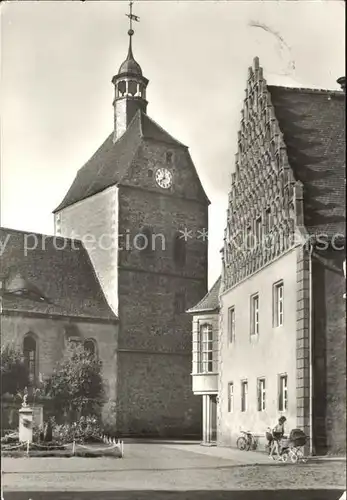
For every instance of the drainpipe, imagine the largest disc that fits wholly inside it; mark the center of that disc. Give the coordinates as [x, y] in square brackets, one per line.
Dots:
[310, 334]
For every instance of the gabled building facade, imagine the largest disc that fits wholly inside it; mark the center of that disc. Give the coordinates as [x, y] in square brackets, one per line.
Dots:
[282, 335]
[282, 273]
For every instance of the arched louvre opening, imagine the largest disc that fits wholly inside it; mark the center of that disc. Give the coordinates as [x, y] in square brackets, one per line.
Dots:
[30, 357]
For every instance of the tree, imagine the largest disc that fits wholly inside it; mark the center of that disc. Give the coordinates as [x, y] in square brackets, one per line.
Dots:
[14, 373]
[76, 385]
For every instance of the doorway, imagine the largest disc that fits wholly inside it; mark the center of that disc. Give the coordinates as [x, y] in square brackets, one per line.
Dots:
[213, 409]
[209, 418]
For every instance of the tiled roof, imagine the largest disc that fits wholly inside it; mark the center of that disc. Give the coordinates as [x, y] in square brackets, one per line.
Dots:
[313, 125]
[57, 277]
[112, 160]
[211, 300]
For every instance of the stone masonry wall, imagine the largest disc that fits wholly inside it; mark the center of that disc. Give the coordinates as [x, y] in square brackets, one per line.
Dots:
[329, 409]
[51, 336]
[155, 395]
[155, 390]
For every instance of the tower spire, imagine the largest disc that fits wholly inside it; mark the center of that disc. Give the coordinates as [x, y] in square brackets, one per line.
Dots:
[132, 17]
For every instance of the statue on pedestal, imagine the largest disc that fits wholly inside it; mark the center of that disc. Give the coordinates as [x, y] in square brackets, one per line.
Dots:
[25, 398]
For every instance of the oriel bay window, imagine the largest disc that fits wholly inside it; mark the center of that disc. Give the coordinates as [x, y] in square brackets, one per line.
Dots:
[205, 349]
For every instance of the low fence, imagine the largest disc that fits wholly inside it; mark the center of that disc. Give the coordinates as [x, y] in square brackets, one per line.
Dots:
[111, 444]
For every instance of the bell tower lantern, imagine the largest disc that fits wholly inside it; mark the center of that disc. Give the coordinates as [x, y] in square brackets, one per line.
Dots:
[130, 88]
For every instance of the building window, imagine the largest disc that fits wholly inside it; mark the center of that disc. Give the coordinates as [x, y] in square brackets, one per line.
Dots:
[249, 238]
[180, 302]
[261, 394]
[255, 314]
[230, 397]
[58, 224]
[179, 250]
[30, 357]
[150, 173]
[283, 393]
[206, 349]
[258, 231]
[244, 395]
[231, 319]
[268, 220]
[278, 304]
[90, 346]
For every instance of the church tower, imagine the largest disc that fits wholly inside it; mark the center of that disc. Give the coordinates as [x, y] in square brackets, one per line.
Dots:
[141, 203]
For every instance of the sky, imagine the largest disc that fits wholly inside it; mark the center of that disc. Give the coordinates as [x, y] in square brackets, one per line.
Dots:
[58, 59]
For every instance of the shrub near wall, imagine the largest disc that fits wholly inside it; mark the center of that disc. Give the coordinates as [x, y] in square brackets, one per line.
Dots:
[9, 413]
[75, 388]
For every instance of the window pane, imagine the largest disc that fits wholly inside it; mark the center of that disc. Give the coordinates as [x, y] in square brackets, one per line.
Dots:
[206, 349]
[255, 314]
[283, 399]
[230, 397]
[278, 305]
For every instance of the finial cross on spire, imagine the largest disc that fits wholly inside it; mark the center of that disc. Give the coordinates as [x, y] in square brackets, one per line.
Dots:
[132, 18]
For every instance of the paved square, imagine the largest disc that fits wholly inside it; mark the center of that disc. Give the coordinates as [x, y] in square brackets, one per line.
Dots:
[174, 471]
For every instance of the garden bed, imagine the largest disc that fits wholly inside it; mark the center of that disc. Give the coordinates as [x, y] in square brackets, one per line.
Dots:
[116, 453]
[63, 451]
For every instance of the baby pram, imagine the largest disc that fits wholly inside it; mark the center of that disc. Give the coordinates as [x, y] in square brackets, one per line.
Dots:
[292, 448]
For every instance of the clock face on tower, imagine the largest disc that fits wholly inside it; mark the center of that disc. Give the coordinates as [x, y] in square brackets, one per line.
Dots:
[163, 178]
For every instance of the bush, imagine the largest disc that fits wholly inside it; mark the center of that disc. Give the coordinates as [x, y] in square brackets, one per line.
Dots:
[14, 373]
[84, 430]
[76, 386]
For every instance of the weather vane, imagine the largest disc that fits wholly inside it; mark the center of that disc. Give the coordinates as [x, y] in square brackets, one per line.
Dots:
[132, 18]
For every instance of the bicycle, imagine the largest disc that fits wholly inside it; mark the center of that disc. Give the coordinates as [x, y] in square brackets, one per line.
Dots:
[247, 441]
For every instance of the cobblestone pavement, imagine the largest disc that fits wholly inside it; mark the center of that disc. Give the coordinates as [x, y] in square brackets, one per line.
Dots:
[176, 472]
